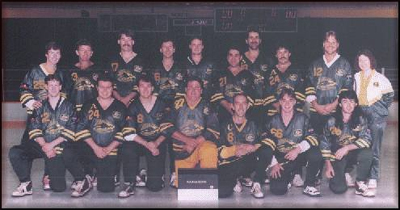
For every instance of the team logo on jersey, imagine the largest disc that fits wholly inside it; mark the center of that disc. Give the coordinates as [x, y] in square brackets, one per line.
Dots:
[114, 66]
[74, 76]
[64, 117]
[149, 129]
[376, 84]
[191, 128]
[116, 114]
[103, 126]
[326, 83]
[346, 139]
[179, 76]
[264, 67]
[206, 111]
[244, 82]
[285, 145]
[335, 131]
[258, 78]
[293, 77]
[38, 85]
[139, 118]
[157, 76]
[298, 133]
[95, 76]
[318, 71]
[208, 71]
[82, 84]
[125, 75]
[277, 132]
[340, 72]
[54, 128]
[137, 68]
[42, 95]
[250, 137]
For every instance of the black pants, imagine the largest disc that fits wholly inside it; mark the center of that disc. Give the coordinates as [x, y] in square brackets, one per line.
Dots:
[311, 157]
[105, 169]
[317, 123]
[22, 156]
[228, 173]
[130, 154]
[361, 157]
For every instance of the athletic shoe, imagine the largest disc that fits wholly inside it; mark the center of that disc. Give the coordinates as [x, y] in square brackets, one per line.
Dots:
[172, 179]
[74, 185]
[238, 187]
[141, 178]
[362, 189]
[93, 180]
[297, 181]
[256, 190]
[267, 181]
[82, 187]
[24, 188]
[46, 182]
[246, 181]
[349, 180]
[312, 191]
[127, 191]
[372, 184]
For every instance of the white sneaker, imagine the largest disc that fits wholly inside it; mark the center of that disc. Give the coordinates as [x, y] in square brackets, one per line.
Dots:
[362, 189]
[297, 181]
[128, 190]
[256, 190]
[312, 191]
[46, 183]
[372, 184]
[141, 178]
[25, 188]
[82, 187]
[74, 185]
[93, 180]
[238, 187]
[247, 181]
[172, 180]
[349, 180]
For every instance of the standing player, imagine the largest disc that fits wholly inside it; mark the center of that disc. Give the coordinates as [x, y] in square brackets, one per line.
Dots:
[197, 65]
[169, 82]
[143, 136]
[100, 126]
[33, 92]
[241, 150]
[326, 78]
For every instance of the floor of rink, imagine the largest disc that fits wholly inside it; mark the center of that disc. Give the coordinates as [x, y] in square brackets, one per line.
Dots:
[387, 192]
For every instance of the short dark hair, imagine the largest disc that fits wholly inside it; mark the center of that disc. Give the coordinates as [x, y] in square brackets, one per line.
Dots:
[349, 94]
[51, 77]
[252, 29]
[331, 33]
[167, 39]
[367, 53]
[127, 32]
[241, 94]
[146, 78]
[287, 91]
[234, 47]
[194, 78]
[355, 116]
[282, 45]
[52, 46]
[83, 42]
[196, 37]
[104, 78]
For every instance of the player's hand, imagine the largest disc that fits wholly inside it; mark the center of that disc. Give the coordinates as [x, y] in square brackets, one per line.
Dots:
[99, 152]
[341, 152]
[276, 171]
[240, 150]
[37, 104]
[292, 154]
[47, 147]
[329, 172]
[51, 153]
[188, 148]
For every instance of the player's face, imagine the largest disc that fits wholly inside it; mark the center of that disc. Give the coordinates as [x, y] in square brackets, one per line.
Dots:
[234, 57]
[364, 63]
[105, 89]
[53, 56]
[348, 105]
[196, 46]
[53, 88]
[126, 43]
[331, 45]
[240, 106]
[287, 103]
[84, 52]
[145, 89]
[253, 40]
[193, 91]
[167, 49]
[282, 55]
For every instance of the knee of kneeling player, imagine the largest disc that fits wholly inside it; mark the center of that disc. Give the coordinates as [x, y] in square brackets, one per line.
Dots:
[338, 189]
[278, 190]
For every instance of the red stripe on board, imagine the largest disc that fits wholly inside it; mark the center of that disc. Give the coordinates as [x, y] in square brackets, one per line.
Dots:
[13, 124]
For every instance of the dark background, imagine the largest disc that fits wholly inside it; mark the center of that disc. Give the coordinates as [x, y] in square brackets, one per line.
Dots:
[24, 40]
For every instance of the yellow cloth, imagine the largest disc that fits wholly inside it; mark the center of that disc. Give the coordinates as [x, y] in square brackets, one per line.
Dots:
[362, 98]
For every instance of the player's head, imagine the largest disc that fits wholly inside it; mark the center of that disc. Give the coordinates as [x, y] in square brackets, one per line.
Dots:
[104, 86]
[194, 88]
[240, 104]
[282, 53]
[145, 86]
[287, 100]
[126, 39]
[253, 39]
[84, 49]
[53, 85]
[53, 52]
[348, 101]
[196, 45]
[234, 56]
[331, 43]
[167, 47]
